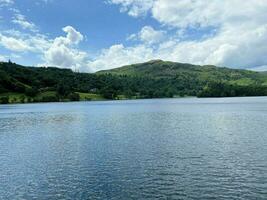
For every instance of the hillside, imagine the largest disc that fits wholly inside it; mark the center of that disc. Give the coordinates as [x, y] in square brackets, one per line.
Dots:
[153, 79]
[166, 69]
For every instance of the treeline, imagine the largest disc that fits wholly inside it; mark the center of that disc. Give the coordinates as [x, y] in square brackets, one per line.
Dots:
[224, 89]
[31, 81]
[54, 84]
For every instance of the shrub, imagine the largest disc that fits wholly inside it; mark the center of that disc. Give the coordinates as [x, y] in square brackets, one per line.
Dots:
[49, 98]
[22, 99]
[31, 92]
[4, 100]
[74, 97]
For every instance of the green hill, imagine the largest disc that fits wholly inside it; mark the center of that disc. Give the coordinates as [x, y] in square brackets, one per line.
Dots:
[153, 79]
[166, 69]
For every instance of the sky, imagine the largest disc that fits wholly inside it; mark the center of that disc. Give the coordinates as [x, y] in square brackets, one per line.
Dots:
[92, 35]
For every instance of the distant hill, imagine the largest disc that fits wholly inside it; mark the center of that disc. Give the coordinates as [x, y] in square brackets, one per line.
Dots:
[153, 79]
[166, 69]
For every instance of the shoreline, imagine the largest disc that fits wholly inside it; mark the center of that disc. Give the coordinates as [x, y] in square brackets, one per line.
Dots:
[118, 100]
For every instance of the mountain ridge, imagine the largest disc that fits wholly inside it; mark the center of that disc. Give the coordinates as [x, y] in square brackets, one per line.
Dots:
[164, 69]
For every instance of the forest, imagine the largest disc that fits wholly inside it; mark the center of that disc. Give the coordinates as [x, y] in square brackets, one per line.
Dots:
[153, 79]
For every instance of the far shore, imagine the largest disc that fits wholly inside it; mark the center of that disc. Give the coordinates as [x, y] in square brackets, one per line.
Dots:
[126, 99]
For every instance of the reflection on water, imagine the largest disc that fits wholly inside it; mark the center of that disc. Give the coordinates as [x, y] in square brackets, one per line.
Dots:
[166, 149]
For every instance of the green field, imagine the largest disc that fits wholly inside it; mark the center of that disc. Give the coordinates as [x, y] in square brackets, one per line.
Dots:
[48, 96]
[15, 97]
[90, 97]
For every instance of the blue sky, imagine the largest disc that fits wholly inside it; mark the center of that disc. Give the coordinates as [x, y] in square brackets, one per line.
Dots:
[101, 34]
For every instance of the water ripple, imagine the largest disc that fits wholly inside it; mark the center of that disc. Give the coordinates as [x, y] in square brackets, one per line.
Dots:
[152, 149]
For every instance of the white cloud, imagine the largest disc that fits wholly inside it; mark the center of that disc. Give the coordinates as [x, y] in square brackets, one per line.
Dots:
[46, 1]
[134, 8]
[14, 44]
[39, 42]
[2, 58]
[239, 40]
[259, 68]
[6, 3]
[62, 52]
[5, 58]
[63, 56]
[17, 41]
[148, 35]
[118, 55]
[224, 50]
[185, 13]
[21, 20]
[73, 36]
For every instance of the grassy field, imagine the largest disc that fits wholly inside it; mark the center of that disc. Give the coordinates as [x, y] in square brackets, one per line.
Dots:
[90, 97]
[121, 97]
[48, 96]
[243, 82]
[22, 98]
[15, 97]
[42, 95]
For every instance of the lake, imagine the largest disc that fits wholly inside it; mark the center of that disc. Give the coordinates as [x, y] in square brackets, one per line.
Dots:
[185, 148]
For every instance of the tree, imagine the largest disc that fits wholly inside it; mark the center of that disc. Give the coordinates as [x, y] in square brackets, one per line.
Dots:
[22, 99]
[49, 98]
[63, 89]
[4, 100]
[109, 93]
[74, 97]
[31, 92]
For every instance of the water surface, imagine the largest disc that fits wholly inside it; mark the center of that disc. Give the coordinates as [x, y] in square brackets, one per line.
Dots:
[143, 149]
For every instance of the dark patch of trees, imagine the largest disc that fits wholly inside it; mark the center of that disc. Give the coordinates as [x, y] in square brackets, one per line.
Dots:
[73, 96]
[224, 89]
[4, 100]
[49, 98]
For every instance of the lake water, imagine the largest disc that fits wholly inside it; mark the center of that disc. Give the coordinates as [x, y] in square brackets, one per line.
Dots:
[141, 149]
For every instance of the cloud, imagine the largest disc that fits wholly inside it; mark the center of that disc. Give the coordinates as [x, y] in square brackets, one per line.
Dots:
[118, 55]
[65, 57]
[22, 22]
[6, 3]
[229, 33]
[184, 13]
[2, 58]
[225, 49]
[46, 1]
[14, 44]
[134, 8]
[148, 35]
[73, 36]
[203, 13]
[63, 52]
[259, 68]
[238, 30]
[17, 41]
